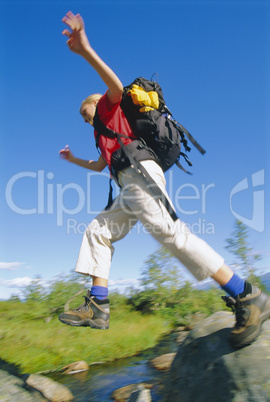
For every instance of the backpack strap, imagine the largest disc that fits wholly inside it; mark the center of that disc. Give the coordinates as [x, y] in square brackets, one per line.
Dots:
[156, 190]
[103, 130]
[180, 166]
[110, 198]
[191, 139]
[184, 131]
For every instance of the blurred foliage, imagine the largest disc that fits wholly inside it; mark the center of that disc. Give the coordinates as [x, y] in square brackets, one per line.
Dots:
[178, 307]
[164, 292]
[37, 344]
[239, 246]
[32, 336]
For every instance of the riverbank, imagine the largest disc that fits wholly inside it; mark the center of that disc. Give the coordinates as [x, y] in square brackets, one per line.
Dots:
[100, 381]
[35, 344]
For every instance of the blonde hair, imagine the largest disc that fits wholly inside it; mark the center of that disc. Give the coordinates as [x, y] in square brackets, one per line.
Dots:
[90, 99]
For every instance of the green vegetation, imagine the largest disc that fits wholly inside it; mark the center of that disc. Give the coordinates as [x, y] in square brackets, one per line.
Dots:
[33, 338]
[166, 294]
[36, 345]
[245, 259]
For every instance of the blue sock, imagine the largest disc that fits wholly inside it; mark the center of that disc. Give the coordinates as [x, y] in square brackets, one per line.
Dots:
[100, 292]
[235, 286]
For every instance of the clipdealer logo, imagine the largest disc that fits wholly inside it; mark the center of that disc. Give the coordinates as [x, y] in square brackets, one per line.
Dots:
[50, 196]
[187, 198]
[256, 222]
[47, 197]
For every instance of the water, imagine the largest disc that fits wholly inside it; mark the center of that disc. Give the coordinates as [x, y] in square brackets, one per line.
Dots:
[98, 383]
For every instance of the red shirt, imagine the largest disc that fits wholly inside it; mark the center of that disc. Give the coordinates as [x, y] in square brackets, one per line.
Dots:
[113, 117]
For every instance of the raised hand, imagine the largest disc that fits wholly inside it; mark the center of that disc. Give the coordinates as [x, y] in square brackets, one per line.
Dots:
[66, 154]
[78, 41]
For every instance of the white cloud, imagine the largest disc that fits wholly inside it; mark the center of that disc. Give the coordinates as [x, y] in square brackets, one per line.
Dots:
[124, 282]
[16, 283]
[10, 266]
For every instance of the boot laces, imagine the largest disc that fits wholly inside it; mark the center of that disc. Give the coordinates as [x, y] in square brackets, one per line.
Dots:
[238, 309]
[85, 305]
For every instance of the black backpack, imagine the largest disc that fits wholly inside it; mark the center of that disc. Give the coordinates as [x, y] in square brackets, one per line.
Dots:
[154, 124]
[157, 135]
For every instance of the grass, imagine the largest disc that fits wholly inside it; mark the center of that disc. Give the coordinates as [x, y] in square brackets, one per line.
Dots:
[27, 341]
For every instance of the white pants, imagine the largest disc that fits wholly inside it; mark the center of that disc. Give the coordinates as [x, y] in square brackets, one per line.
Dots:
[136, 202]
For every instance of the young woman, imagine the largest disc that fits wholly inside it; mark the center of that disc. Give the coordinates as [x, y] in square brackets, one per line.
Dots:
[136, 202]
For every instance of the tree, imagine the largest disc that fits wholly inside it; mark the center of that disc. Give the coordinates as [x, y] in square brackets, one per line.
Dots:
[238, 245]
[65, 289]
[161, 269]
[35, 291]
[49, 298]
[160, 278]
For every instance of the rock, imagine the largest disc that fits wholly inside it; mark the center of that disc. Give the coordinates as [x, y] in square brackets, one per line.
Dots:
[123, 394]
[181, 337]
[180, 329]
[140, 395]
[75, 367]
[207, 368]
[194, 320]
[52, 390]
[12, 389]
[163, 362]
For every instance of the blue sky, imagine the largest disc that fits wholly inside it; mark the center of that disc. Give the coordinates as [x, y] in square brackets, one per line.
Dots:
[212, 60]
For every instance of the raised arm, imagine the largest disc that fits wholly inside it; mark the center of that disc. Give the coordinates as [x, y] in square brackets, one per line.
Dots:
[79, 43]
[97, 166]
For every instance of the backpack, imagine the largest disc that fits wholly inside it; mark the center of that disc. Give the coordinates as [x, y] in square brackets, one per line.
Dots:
[150, 119]
[157, 135]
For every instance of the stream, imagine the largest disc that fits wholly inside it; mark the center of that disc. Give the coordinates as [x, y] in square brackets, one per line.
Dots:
[98, 383]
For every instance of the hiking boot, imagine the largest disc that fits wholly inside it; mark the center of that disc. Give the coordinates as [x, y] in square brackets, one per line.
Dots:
[251, 309]
[92, 313]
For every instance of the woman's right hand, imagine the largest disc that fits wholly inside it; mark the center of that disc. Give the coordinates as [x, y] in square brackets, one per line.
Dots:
[67, 154]
[77, 39]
